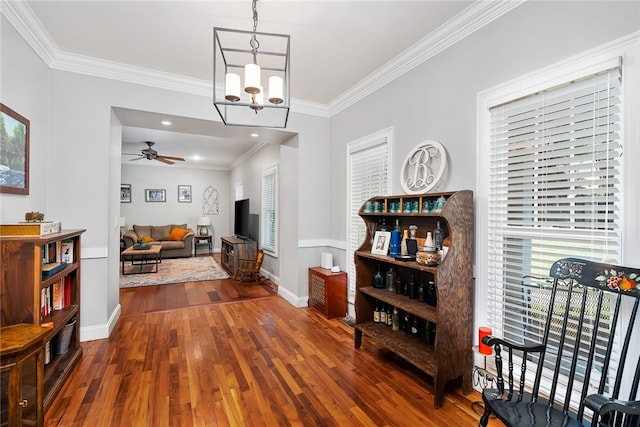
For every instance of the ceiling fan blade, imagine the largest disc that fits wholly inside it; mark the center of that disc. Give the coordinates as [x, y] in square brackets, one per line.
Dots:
[163, 160]
[139, 158]
[172, 158]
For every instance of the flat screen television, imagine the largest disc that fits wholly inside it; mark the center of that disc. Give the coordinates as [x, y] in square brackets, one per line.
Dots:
[241, 221]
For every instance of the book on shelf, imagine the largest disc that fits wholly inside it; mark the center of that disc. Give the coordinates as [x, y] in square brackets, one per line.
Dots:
[66, 292]
[30, 228]
[52, 268]
[66, 251]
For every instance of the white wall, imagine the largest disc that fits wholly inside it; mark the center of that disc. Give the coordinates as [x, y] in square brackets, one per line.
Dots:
[19, 64]
[437, 100]
[143, 177]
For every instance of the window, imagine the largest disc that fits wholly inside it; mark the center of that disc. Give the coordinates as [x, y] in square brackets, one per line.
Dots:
[554, 190]
[369, 168]
[269, 211]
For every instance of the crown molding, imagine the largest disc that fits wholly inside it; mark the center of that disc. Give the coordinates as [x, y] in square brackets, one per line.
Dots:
[467, 22]
[476, 16]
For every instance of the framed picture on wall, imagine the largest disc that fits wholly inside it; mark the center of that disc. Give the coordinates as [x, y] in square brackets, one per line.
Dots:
[125, 193]
[155, 195]
[184, 194]
[14, 152]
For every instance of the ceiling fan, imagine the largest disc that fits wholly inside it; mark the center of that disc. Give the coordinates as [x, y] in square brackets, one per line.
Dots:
[151, 154]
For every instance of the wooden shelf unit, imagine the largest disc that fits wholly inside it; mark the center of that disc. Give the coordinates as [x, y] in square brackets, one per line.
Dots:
[21, 283]
[450, 357]
[233, 249]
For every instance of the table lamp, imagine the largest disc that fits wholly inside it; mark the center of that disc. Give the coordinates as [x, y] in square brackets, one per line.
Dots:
[203, 223]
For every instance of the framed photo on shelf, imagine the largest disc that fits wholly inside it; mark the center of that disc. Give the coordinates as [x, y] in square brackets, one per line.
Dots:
[381, 243]
[125, 193]
[14, 152]
[184, 194]
[155, 195]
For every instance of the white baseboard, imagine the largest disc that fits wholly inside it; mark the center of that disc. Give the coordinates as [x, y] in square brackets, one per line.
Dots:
[98, 332]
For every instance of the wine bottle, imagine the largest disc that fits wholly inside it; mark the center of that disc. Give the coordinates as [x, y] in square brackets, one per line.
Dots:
[378, 281]
[376, 313]
[398, 285]
[414, 326]
[428, 339]
[413, 294]
[395, 320]
[391, 280]
[421, 292]
[383, 315]
[389, 315]
[407, 323]
[438, 236]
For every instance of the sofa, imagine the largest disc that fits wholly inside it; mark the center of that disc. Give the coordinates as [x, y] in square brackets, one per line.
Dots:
[176, 239]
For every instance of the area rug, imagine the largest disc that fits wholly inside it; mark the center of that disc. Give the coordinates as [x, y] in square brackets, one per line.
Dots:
[178, 270]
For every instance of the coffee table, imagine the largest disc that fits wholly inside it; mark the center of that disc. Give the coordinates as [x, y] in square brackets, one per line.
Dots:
[141, 257]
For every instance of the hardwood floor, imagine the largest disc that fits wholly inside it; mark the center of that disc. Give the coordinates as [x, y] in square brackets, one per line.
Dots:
[176, 358]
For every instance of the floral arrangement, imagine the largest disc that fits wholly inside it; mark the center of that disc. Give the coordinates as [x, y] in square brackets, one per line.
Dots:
[618, 280]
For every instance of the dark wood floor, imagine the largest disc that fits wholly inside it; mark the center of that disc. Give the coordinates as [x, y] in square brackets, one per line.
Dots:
[249, 358]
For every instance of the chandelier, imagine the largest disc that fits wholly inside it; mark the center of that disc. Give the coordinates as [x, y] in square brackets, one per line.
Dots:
[259, 58]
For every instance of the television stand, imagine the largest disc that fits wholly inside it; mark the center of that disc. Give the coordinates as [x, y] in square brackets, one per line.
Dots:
[234, 249]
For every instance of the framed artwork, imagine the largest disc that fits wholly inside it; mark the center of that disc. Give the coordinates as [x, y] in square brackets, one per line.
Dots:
[381, 242]
[184, 194]
[14, 152]
[155, 195]
[125, 193]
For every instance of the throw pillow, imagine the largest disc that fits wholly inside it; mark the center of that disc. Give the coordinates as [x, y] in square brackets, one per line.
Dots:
[177, 234]
[142, 230]
[146, 239]
[161, 232]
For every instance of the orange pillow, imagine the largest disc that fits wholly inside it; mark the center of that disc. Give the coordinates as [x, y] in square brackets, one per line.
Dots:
[177, 234]
[147, 239]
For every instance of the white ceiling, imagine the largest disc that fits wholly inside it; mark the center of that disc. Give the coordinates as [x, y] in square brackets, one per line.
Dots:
[335, 46]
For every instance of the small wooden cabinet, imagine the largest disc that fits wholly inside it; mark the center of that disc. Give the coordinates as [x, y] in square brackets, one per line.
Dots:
[443, 348]
[328, 292]
[22, 375]
[234, 249]
[39, 293]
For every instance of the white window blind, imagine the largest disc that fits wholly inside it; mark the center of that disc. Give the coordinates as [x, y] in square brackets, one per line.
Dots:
[554, 191]
[368, 177]
[269, 211]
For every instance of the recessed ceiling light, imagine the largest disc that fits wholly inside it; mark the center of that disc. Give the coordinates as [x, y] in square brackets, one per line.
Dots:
[166, 122]
[254, 135]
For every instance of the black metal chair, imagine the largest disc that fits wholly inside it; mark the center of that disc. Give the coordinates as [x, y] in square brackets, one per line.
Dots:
[591, 364]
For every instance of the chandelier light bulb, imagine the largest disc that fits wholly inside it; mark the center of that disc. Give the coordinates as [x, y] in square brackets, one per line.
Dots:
[232, 87]
[275, 90]
[252, 78]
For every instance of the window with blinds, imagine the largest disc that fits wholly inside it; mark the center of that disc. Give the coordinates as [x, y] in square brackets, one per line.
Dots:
[269, 211]
[368, 174]
[554, 191]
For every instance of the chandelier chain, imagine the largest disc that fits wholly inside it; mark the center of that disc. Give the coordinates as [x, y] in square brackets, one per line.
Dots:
[254, 42]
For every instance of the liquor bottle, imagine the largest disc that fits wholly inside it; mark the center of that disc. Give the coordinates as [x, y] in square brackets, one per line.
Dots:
[430, 292]
[395, 320]
[429, 240]
[383, 315]
[428, 339]
[391, 280]
[378, 281]
[389, 315]
[413, 294]
[398, 285]
[421, 292]
[403, 243]
[376, 313]
[397, 226]
[414, 326]
[407, 323]
[438, 236]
